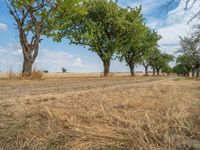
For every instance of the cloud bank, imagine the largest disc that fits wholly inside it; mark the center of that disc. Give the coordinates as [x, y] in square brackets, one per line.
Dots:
[3, 27]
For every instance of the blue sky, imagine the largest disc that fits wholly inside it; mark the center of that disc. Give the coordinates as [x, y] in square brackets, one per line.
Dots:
[53, 56]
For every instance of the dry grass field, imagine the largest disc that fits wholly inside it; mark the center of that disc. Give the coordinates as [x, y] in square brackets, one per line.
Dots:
[88, 112]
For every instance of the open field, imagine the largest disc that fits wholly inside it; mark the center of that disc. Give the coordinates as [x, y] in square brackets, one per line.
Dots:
[88, 112]
[72, 75]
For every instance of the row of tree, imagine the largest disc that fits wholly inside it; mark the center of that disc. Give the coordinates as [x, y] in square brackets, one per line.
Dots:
[189, 61]
[112, 32]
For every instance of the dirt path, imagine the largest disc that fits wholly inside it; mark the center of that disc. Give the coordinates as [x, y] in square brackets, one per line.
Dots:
[13, 89]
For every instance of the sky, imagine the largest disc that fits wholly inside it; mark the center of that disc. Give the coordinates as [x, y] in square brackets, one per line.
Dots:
[53, 56]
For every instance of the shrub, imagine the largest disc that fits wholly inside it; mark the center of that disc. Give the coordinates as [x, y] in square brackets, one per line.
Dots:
[36, 75]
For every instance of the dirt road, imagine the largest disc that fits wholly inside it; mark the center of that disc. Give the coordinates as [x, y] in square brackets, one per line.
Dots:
[19, 88]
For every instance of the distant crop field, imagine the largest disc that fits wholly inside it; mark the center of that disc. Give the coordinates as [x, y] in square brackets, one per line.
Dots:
[84, 112]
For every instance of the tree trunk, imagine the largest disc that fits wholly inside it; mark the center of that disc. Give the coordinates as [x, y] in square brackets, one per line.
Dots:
[30, 51]
[197, 72]
[27, 67]
[154, 71]
[132, 69]
[158, 71]
[185, 74]
[188, 74]
[146, 70]
[193, 72]
[106, 65]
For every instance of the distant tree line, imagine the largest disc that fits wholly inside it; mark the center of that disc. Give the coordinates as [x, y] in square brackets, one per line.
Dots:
[189, 61]
[110, 31]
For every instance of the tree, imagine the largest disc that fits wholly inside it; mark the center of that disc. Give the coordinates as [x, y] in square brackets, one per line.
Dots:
[161, 61]
[131, 48]
[167, 69]
[30, 17]
[190, 47]
[153, 58]
[35, 18]
[151, 51]
[97, 28]
[186, 63]
[180, 70]
[149, 57]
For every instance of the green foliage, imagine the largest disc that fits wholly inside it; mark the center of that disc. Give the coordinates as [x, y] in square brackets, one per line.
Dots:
[138, 41]
[20, 4]
[103, 25]
[31, 15]
[190, 58]
[180, 69]
[184, 64]
[131, 46]
[31, 19]
[190, 47]
[62, 17]
[151, 52]
[167, 69]
[104, 28]
[186, 61]
[96, 27]
[161, 61]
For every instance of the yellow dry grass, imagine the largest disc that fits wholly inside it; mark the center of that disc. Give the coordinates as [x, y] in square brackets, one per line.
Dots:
[36, 75]
[102, 114]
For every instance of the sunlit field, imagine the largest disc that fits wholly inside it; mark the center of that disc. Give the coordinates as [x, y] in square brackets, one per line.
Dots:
[85, 111]
[126, 75]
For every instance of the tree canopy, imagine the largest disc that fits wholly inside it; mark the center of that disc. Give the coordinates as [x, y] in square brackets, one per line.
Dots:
[102, 26]
[132, 44]
[190, 58]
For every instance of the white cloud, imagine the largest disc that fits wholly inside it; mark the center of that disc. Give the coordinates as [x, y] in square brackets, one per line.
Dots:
[78, 62]
[11, 57]
[170, 34]
[3, 27]
[153, 23]
[55, 60]
[174, 26]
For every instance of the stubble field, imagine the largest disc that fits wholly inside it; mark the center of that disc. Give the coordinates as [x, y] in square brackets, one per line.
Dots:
[88, 112]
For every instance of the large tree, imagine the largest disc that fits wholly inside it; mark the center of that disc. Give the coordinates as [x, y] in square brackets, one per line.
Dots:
[151, 49]
[96, 28]
[30, 17]
[132, 45]
[33, 19]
